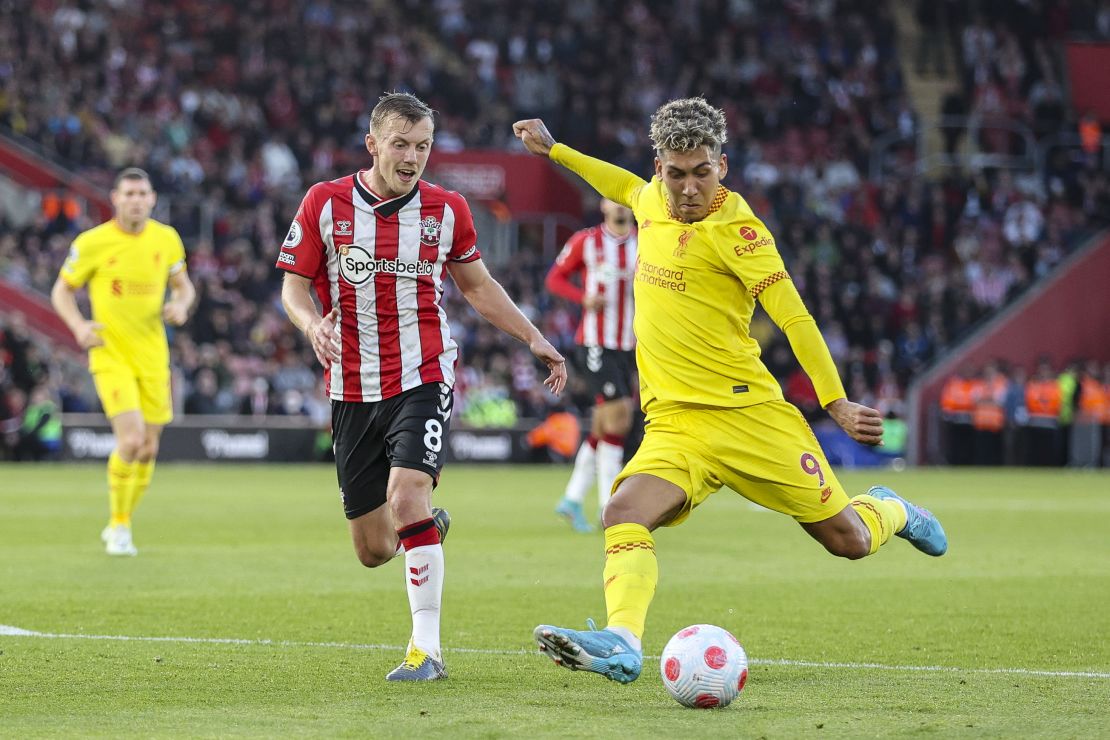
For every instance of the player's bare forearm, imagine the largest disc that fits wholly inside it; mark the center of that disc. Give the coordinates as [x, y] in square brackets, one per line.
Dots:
[491, 301]
[65, 304]
[182, 296]
[301, 310]
[86, 332]
[297, 301]
[613, 182]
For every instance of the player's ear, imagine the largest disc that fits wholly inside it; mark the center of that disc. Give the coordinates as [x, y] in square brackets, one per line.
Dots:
[658, 168]
[371, 144]
[723, 166]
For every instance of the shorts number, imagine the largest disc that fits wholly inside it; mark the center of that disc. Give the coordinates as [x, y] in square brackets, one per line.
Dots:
[593, 359]
[433, 437]
[810, 466]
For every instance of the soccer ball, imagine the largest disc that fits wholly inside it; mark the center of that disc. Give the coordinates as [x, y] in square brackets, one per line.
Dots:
[704, 666]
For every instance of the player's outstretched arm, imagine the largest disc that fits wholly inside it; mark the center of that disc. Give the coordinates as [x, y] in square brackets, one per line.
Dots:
[182, 295]
[296, 297]
[490, 300]
[64, 301]
[615, 183]
[786, 309]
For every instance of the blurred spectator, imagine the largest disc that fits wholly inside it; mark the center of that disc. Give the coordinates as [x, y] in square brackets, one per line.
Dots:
[560, 434]
[1092, 413]
[204, 398]
[40, 435]
[259, 401]
[989, 415]
[1017, 416]
[957, 403]
[1068, 381]
[1042, 431]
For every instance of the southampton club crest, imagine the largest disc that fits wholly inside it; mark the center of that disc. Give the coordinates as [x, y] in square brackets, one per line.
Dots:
[429, 231]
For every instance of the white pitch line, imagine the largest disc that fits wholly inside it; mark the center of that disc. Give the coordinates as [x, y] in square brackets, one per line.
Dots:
[10, 631]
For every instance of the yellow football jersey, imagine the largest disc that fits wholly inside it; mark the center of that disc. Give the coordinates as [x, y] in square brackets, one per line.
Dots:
[695, 288]
[126, 276]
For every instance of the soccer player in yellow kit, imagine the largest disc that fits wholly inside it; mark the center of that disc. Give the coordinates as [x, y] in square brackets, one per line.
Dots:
[715, 415]
[126, 264]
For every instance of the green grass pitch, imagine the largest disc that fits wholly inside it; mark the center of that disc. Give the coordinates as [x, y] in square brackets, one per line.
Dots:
[1005, 636]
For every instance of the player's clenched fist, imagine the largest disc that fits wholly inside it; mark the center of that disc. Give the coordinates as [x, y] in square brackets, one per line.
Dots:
[534, 135]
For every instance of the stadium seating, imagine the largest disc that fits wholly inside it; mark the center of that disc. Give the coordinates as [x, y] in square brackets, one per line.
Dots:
[235, 115]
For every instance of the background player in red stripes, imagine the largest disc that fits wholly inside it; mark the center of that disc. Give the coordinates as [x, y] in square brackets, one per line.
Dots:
[374, 246]
[603, 258]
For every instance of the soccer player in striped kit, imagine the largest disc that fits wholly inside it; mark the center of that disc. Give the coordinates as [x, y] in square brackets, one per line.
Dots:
[604, 259]
[375, 247]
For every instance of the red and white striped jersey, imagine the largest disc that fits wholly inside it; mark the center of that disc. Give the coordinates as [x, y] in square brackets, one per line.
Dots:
[606, 264]
[382, 262]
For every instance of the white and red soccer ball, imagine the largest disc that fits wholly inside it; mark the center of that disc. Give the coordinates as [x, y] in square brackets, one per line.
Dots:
[704, 666]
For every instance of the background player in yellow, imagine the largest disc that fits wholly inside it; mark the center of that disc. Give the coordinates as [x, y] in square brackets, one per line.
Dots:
[127, 263]
[715, 415]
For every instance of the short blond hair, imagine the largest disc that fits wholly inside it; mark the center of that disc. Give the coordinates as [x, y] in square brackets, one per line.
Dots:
[686, 124]
[405, 105]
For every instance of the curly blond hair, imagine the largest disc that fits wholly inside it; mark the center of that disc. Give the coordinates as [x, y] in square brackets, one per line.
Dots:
[688, 123]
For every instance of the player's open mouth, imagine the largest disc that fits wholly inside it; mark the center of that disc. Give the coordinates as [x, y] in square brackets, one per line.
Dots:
[406, 175]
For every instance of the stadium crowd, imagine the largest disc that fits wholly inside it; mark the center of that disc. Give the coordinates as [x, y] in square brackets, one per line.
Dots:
[234, 108]
[1004, 415]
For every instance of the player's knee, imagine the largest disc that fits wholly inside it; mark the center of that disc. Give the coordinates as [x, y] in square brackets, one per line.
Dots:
[373, 556]
[851, 545]
[619, 427]
[618, 511]
[129, 445]
[406, 506]
[147, 452]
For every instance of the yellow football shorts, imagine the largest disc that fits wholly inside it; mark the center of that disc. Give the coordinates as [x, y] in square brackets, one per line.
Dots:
[120, 390]
[766, 453]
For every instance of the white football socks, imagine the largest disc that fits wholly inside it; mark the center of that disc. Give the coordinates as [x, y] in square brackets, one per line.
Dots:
[583, 475]
[630, 638]
[610, 460]
[424, 580]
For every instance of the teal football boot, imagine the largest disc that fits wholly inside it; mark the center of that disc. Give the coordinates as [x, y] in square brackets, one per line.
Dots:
[923, 529]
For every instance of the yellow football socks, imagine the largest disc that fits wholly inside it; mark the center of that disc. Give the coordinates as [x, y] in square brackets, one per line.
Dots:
[143, 473]
[121, 479]
[882, 517]
[631, 573]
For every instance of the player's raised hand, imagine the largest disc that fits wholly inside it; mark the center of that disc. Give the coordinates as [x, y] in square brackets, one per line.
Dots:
[862, 423]
[557, 380]
[322, 335]
[535, 136]
[174, 313]
[87, 334]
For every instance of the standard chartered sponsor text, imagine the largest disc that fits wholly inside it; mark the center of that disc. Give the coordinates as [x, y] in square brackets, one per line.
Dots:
[662, 277]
